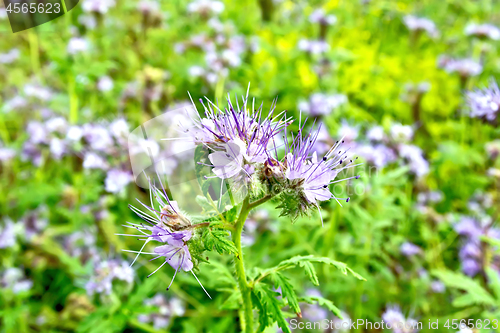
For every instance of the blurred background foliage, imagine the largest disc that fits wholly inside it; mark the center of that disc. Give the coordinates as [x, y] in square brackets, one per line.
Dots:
[75, 86]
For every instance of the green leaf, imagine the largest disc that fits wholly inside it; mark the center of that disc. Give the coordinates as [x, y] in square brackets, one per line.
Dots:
[233, 302]
[271, 307]
[203, 202]
[217, 239]
[310, 272]
[305, 261]
[323, 302]
[474, 293]
[287, 290]
[494, 282]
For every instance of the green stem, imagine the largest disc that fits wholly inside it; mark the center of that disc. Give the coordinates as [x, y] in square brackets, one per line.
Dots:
[240, 268]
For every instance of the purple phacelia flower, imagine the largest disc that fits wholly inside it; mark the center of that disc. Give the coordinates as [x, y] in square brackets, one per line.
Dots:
[13, 279]
[414, 23]
[169, 227]
[105, 272]
[322, 104]
[116, 180]
[9, 56]
[483, 31]
[105, 84]
[98, 6]
[305, 176]
[438, 287]
[467, 226]
[205, 7]
[77, 45]
[409, 249]
[165, 310]
[484, 103]
[414, 156]
[319, 16]
[464, 67]
[397, 322]
[471, 267]
[314, 47]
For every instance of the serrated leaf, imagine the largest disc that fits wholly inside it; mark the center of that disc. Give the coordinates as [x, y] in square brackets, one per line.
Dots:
[324, 302]
[475, 294]
[494, 282]
[203, 203]
[287, 291]
[217, 239]
[302, 260]
[310, 272]
[271, 306]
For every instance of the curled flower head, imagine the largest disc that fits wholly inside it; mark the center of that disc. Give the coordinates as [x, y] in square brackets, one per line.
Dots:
[168, 229]
[306, 176]
[484, 103]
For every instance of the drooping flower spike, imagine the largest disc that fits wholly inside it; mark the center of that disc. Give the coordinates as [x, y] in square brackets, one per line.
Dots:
[167, 226]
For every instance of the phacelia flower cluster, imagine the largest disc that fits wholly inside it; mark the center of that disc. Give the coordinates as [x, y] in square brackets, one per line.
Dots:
[245, 148]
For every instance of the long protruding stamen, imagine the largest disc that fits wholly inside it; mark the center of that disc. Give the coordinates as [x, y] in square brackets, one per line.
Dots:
[156, 270]
[201, 284]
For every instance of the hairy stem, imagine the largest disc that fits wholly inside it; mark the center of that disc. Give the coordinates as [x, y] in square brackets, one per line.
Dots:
[240, 268]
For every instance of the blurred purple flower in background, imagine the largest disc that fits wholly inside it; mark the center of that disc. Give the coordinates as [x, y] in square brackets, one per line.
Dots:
[78, 45]
[414, 23]
[13, 278]
[483, 31]
[117, 180]
[409, 249]
[319, 16]
[464, 67]
[322, 104]
[394, 318]
[165, 309]
[484, 103]
[10, 56]
[107, 271]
